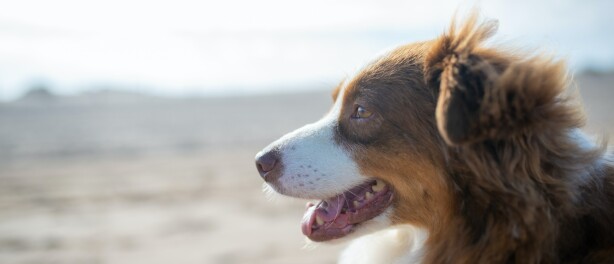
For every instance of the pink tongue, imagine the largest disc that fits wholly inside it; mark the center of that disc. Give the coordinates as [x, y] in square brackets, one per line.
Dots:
[330, 212]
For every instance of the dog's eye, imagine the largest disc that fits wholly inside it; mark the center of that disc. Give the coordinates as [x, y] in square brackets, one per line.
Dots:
[361, 112]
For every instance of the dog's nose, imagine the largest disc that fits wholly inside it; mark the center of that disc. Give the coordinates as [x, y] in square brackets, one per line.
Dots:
[266, 163]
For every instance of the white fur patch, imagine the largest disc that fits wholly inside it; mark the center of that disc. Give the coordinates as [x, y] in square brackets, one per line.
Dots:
[397, 245]
[583, 174]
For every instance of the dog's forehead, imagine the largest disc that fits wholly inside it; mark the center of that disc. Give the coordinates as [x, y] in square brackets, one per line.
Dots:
[341, 87]
[387, 85]
[402, 66]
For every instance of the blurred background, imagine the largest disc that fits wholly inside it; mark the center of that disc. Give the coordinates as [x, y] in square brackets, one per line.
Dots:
[128, 128]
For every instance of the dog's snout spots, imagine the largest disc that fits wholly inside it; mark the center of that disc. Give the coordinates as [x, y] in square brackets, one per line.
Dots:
[307, 177]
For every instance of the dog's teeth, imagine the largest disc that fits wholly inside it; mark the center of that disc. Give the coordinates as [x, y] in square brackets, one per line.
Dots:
[379, 185]
[319, 220]
[356, 204]
[368, 196]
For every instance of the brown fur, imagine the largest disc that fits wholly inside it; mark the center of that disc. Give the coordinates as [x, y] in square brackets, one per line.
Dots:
[478, 144]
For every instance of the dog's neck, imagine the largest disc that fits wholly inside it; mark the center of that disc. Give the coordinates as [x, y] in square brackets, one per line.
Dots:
[509, 196]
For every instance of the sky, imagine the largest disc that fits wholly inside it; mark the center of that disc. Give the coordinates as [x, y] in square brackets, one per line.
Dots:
[189, 47]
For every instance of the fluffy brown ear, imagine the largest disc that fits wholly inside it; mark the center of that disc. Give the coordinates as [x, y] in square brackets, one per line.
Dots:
[485, 93]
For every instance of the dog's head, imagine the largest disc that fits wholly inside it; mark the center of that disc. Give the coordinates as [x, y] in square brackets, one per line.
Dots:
[379, 156]
[370, 158]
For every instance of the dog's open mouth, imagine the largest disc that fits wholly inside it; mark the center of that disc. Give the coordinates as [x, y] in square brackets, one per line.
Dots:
[338, 216]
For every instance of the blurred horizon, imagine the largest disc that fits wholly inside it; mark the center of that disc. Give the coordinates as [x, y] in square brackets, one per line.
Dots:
[119, 142]
[185, 48]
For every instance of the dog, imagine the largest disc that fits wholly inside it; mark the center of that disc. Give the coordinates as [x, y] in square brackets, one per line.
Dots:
[460, 151]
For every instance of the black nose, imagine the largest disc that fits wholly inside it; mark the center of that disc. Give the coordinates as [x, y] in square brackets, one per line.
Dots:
[266, 163]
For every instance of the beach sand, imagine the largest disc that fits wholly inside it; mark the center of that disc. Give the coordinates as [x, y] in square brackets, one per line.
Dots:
[125, 178]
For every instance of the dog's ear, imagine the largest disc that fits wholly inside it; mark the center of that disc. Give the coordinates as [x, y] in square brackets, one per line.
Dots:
[485, 93]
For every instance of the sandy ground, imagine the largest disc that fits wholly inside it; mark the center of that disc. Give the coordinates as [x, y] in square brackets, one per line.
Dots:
[108, 178]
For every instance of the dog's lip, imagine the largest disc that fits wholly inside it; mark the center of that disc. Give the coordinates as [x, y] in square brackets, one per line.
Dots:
[338, 216]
